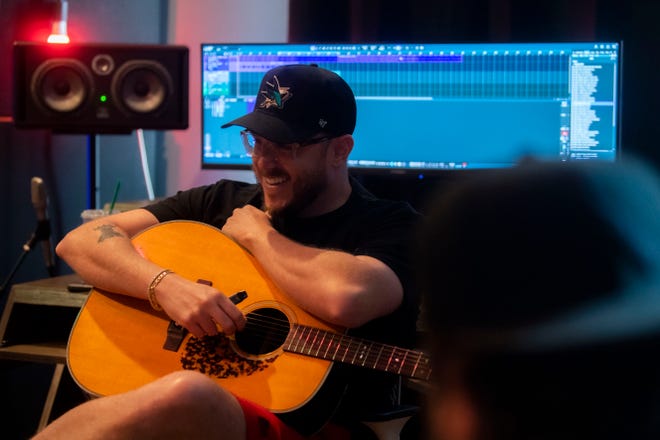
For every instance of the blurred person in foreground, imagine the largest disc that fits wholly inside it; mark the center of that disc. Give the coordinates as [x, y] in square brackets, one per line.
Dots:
[541, 293]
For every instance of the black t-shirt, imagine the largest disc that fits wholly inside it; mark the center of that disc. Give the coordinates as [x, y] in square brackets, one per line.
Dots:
[364, 225]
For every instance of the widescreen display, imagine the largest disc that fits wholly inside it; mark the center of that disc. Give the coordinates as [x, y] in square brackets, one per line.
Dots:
[429, 107]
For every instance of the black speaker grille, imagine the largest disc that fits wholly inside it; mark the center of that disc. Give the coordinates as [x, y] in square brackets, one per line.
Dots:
[142, 87]
[62, 85]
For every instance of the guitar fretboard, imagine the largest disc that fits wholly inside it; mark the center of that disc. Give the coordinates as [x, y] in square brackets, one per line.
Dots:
[315, 342]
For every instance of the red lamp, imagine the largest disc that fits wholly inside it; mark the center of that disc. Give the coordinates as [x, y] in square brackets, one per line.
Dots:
[58, 33]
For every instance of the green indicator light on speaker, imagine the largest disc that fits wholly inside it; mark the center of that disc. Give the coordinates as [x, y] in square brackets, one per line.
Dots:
[103, 98]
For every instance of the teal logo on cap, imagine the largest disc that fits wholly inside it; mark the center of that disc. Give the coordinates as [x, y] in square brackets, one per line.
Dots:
[275, 95]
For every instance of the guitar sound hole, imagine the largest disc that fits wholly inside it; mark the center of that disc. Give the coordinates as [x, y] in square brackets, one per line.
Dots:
[265, 331]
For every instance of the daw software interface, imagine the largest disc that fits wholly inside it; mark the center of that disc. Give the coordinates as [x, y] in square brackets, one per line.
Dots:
[430, 107]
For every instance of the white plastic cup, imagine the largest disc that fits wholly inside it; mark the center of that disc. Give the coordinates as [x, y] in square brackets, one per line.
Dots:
[91, 214]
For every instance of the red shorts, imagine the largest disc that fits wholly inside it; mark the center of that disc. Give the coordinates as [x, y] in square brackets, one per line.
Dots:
[261, 424]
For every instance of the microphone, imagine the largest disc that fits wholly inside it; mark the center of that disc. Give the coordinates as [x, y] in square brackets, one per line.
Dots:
[40, 203]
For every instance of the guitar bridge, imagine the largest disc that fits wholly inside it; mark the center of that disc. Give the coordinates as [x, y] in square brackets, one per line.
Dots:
[175, 335]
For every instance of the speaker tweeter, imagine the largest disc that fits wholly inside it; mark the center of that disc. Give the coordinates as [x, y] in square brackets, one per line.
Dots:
[100, 88]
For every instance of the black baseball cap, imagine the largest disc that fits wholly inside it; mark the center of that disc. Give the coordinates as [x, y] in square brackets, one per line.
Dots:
[297, 101]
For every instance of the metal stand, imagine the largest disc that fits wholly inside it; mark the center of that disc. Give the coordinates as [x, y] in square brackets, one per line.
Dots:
[42, 232]
[92, 166]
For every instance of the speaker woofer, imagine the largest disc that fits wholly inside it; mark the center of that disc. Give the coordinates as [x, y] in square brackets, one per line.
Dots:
[142, 86]
[62, 85]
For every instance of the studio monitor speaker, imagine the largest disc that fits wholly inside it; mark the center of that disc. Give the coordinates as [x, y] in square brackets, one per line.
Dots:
[100, 88]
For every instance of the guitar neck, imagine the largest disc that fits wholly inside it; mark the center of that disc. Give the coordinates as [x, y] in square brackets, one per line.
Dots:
[318, 343]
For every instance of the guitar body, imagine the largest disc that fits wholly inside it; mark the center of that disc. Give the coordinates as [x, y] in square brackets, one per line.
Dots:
[116, 343]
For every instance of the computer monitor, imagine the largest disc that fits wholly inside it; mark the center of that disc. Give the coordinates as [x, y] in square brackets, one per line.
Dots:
[424, 108]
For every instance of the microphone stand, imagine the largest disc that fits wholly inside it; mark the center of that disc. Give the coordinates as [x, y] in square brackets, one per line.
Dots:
[92, 171]
[42, 232]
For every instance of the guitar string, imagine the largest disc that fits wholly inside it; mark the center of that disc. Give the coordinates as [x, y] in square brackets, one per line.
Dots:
[277, 329]
[265, 324]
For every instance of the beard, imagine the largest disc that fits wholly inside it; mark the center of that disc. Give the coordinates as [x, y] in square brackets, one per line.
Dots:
[305, 192]
[307, 185]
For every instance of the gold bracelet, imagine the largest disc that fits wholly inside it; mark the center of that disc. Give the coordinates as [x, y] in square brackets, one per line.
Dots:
[151, 293]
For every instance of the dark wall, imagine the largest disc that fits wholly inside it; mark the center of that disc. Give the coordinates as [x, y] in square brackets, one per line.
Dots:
[62, 160]
[635, 22]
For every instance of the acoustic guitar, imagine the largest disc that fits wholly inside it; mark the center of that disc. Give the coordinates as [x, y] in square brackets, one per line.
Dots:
[280, 361]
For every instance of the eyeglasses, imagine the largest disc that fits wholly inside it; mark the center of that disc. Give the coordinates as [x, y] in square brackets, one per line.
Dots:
[256, 146]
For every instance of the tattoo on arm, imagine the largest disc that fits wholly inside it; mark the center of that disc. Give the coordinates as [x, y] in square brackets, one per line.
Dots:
[107, 231]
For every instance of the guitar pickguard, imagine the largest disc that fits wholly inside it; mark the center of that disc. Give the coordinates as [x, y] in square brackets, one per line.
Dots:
[215, 356]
